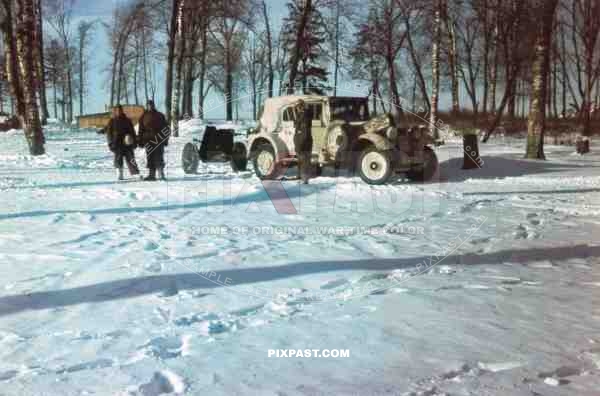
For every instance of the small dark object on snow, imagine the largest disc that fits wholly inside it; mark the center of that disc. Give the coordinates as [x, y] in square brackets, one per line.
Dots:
[472, 160]
[10, 123]
[583, 145]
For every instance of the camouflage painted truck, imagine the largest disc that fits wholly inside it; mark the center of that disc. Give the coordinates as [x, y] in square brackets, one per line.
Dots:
[344, 137]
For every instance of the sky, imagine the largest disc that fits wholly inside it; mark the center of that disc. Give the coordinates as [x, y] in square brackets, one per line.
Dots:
[100, 57]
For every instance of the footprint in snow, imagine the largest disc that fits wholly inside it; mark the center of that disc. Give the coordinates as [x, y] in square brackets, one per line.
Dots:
[164, 348]
[456, 374]
[150, 246]
[523, 232]
[163, 382]
[534, 219]
[560, 373]
[93, 365]
[334, 284]
[7, 375]
[57, 219]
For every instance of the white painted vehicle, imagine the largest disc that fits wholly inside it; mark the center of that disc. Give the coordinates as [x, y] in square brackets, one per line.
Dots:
[344, 136]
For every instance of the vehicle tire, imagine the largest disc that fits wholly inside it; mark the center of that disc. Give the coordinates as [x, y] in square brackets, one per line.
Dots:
[264, 162]
[429, 168]
[375, 166]
[190, 158]
[239, 158]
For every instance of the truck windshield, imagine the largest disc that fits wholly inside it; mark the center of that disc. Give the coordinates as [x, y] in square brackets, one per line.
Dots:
[349, 110]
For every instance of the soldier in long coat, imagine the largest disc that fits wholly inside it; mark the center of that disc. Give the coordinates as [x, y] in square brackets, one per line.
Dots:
[303, 140]
[120, 137]
[154, 136]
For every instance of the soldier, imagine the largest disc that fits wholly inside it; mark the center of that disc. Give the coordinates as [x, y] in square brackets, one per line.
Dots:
[120, 137]
[303, 140]
[154, 136]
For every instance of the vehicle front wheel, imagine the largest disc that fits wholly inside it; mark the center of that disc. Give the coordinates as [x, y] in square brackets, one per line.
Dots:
[190, 158]
[427, 171]
[239, 158]
[265, 164]
[375, 166]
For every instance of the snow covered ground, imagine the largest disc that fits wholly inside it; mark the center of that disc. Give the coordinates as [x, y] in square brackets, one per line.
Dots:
[485, 282]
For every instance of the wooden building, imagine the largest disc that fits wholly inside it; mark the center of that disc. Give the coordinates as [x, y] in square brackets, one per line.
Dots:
[99, 120]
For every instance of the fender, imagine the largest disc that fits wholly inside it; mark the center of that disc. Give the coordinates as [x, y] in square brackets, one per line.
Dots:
[278, 145]
[381, 142]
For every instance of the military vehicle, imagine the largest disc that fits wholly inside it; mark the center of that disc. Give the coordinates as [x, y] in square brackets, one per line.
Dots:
[344, 136]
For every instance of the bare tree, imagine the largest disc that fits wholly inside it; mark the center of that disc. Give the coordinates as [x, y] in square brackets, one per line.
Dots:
[536, 124]
[269, 44]
[439, 8]
[18, 24]
[59, 17]
[84, 30]
[39, 60]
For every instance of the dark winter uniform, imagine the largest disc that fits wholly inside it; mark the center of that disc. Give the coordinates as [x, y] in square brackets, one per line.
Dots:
[303, 141]
[154, 137]
[116, 130]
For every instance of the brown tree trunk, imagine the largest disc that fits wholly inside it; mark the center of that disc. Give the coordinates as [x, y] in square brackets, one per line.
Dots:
[11, 58]
[536, 124]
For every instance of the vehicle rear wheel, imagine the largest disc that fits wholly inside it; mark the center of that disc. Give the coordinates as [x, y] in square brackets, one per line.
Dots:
[375, 166]
[239, 158]
[190, 158]
[427, 171]
[265, 164]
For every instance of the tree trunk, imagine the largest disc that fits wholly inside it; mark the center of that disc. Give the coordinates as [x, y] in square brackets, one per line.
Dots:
[32, 127]
[39, 55]
[171, 60]
[295, 58]
[145, 63]
[81, 45]
[181, 43]
[417, 66]
[486, 58]
[336, 56]
[471, 158]
[563, 62]
[435, 68]
[539, 82]
[12, 60]
[114, 76]
[54, 85]
[452, 64]
[228, 86]
[494, 80]
[271, 73]
[136, 97]
[69, 93]
[202, 74]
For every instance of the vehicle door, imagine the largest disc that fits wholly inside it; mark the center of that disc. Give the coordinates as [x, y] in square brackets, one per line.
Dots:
[318, 126]
[287, 128]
